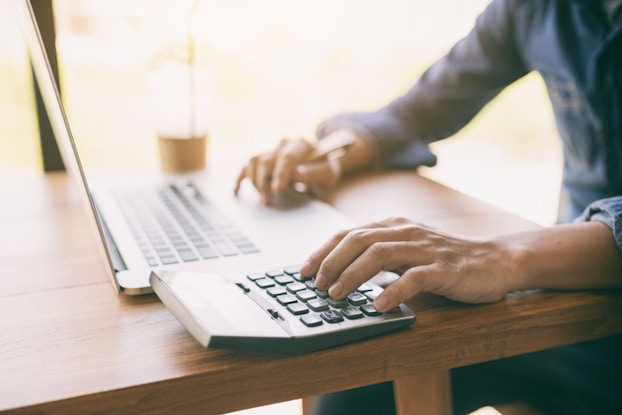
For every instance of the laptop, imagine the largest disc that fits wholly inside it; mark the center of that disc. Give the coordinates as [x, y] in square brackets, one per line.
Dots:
[130, 210]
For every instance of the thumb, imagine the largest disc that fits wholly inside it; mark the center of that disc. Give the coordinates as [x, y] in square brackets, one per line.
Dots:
[324, 174]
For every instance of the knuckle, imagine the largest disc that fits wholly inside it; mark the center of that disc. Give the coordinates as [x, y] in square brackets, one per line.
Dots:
[328, 266]
[288, 159]
[357, 235]
[378, 250]
[397, 221]
[265, 158]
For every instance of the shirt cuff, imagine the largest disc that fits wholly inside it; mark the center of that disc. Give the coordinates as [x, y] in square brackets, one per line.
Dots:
[391, 151]
[609, 212]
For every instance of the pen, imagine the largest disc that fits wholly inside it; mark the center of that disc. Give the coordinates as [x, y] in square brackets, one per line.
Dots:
[331, 147]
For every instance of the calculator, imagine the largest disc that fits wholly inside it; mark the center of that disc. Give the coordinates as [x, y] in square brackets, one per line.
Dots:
[272, 312]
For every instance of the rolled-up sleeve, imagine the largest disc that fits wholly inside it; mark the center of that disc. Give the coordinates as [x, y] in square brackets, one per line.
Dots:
[609, 212]
[445, 98]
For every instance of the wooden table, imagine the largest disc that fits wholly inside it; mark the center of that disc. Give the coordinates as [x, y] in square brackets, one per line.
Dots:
[69, 344]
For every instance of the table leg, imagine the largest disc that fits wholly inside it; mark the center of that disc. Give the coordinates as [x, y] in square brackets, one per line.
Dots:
[425, 393]
[307, 405]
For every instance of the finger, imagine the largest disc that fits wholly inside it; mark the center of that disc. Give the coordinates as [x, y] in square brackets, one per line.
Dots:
[238, 182]
[349, 249]
[263, 176]
[317, 258]
[254, 173]
[405, 287]
[325, 174]
[379, 256]
[258, 170]
[312, 264]
[248, 172]
[292, 153]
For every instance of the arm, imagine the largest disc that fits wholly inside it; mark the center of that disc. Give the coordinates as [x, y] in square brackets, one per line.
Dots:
[581, 255]
[446, 97]
[443, 100]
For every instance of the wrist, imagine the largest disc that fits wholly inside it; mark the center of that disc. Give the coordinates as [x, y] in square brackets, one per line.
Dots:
[356, 156]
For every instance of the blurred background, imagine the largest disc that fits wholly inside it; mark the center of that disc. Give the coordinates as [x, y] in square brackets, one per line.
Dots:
[274, 68]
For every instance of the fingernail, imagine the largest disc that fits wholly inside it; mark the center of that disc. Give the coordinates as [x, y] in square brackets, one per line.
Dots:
[336, 290]
[304, 269]
[381, 302]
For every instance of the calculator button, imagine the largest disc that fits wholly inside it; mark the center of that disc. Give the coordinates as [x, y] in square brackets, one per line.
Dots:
[332, 316]
[295, 287]
[305, 295]
[311, 320]
[292, 270]
[297, 276]
[370, 310]
[352, 313]
[317, 304]
[322, 293]
[274, 273]
[371, 295]
[356, 298]
[255, 276]
[275, 291]
[264, 283]
[284, 279]
[297, 308]
[363, 288]
[286, 299]
[337, 303]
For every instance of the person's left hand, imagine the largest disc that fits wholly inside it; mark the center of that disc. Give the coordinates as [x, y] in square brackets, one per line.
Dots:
[459, 268]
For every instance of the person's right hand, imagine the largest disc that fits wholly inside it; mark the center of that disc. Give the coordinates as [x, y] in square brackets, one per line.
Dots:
[292, 161]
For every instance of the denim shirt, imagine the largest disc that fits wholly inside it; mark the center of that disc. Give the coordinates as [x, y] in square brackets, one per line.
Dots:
[578, 52]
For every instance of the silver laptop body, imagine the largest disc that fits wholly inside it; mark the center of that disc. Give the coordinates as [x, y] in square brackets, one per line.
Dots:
[271, 236]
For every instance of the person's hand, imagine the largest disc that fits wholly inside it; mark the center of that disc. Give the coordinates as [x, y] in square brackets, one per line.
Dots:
[319, 165]
[293, 160]
[462, 269]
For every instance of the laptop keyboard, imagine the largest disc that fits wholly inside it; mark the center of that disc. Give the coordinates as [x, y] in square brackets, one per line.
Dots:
[176, 223]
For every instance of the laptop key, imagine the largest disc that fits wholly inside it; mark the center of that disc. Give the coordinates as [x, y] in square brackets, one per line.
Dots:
[168, 260]
[207, 252]
[187, 255]
[226, 248]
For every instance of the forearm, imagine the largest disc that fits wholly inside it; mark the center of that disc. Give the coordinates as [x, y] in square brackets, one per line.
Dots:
[570, 257]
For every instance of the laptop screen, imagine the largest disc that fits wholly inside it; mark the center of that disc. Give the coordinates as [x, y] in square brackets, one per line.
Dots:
[58, 118]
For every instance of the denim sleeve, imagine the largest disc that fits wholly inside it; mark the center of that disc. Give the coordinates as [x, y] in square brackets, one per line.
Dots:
[446, 97]
[609, 212]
